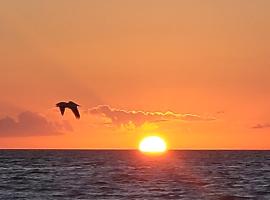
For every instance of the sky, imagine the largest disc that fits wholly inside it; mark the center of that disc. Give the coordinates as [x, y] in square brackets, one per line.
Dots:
[196, 73]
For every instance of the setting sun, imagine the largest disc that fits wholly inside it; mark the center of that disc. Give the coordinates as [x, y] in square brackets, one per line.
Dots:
[152, 144]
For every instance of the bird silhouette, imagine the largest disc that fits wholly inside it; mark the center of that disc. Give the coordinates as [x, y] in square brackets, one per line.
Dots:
[71, 105]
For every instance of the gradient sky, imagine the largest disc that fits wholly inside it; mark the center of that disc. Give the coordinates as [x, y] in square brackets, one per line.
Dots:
[195, 72]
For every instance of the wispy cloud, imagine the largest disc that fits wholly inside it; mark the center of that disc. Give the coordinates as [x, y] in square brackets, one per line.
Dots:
[122, 117]
[261, 126]
[29, 124]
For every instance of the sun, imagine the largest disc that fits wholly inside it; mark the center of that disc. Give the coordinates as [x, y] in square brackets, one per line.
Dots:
[152, 144]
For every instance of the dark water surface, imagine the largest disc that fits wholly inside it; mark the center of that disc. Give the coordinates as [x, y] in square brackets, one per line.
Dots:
[75, 174]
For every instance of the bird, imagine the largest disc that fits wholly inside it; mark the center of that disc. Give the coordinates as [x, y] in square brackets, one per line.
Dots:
[71, 105]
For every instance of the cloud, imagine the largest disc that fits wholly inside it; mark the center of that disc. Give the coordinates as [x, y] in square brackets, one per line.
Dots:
[123, 117]
[261, 126]
[29, 124]
[191, 117]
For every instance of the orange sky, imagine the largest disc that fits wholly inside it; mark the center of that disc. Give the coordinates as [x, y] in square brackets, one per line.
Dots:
[207, 62]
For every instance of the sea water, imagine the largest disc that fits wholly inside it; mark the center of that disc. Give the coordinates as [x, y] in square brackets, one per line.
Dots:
[130, 174]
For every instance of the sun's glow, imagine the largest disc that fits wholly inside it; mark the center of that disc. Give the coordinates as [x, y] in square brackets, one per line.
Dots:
[153, 144]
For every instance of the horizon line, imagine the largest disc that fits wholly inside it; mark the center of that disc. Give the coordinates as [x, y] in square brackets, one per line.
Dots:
[135, 149]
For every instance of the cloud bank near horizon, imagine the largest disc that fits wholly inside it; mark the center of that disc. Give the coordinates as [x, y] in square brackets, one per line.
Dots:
[31, 124]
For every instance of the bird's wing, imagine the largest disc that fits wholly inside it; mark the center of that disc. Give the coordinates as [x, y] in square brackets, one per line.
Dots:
[76, 112]
[61, 104]
[62, 109]
[71, 103]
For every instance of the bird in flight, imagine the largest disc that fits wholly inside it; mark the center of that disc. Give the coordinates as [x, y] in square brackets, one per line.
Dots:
[71, 105]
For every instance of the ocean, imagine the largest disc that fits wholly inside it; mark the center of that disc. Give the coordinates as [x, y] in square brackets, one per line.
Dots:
[129, 174]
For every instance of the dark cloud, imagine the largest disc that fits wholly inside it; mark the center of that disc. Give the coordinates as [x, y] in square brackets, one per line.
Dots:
[261, 126]
[119, 117]
[29, 123]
